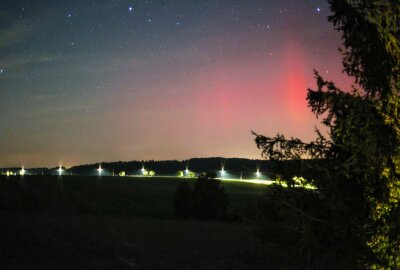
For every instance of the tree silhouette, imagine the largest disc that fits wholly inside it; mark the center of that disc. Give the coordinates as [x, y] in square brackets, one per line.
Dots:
[359, 174]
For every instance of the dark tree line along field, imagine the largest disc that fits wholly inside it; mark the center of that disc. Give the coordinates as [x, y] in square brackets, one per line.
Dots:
[234, 166]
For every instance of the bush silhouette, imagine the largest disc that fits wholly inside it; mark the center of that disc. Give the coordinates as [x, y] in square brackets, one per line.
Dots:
[209, 198]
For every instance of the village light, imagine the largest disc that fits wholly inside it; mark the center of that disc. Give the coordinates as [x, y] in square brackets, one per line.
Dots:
[142, 168]
[258, 173]
[99, 170]
[22, 171]
[222, 172]
[60, 170]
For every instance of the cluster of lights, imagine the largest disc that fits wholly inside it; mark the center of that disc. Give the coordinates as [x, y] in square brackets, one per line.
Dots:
[100, 170]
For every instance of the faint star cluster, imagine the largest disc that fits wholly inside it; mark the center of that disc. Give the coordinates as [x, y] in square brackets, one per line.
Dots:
[155, 74]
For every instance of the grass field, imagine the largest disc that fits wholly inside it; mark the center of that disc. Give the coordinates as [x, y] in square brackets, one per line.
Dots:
[115, 223]
[111, 196]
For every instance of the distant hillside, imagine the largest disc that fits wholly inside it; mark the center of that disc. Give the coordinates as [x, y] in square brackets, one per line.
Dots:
[232, 166]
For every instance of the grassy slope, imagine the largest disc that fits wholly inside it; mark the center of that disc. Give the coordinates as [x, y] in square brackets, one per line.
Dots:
[111, 196]
[99, 242]
[123, 223]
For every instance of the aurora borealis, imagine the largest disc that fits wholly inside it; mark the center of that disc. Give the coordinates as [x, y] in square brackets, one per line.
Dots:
[90, 81]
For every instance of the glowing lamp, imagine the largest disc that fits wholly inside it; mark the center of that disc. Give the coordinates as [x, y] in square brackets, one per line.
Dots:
[22, 171]
[99, 169]
[222, 172]
[60, 170]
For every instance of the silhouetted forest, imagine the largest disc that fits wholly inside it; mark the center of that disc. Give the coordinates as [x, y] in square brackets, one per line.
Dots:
[170, 167]
[234, 167]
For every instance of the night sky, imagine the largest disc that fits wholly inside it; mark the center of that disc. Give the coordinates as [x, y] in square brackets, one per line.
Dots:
[90, 81]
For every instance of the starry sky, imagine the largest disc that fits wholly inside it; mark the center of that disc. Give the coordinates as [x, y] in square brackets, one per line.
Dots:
[90, 81]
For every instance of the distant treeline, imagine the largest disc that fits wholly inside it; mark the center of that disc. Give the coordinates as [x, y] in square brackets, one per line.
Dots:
[170, 167]
[233, 167]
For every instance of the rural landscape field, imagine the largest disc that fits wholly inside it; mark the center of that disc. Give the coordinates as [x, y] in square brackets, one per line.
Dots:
[208, 135]
[117, 223]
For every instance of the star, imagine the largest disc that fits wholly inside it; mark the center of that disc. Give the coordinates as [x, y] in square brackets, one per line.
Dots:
[178, 23]
[318, 9]
[130, 9]
[1, 71]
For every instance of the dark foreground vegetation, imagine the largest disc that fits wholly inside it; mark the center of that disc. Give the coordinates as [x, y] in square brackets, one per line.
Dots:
[71, 222]
[353, 221]
[350, 221]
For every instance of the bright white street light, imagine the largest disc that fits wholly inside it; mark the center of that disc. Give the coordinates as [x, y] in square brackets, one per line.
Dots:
[60, 170]
[100, 170]
[222, 172]
[258, 173]
[22, 171]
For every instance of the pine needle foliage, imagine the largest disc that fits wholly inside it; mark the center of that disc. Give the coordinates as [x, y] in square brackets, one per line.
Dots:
[358, 173]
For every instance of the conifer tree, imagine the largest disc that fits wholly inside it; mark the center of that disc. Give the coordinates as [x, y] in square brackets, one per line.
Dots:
[358, 168]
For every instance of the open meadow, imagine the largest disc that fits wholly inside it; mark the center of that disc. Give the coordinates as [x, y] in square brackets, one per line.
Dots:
[116, 223]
